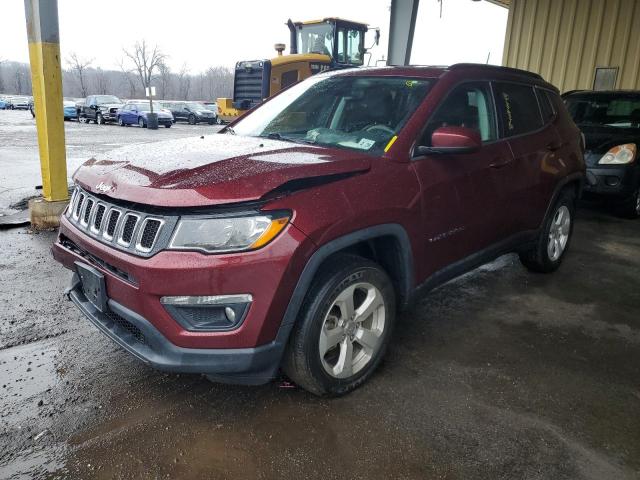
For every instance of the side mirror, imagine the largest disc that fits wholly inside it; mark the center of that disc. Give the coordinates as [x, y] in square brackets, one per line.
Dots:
[93, 107]
[452, 140]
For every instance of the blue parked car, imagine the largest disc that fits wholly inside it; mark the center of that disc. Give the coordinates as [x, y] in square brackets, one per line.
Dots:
[70, 111]
[135, 112]
[3, 103]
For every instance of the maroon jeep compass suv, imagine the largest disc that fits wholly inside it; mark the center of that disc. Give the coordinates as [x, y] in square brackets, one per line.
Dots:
[291, 239]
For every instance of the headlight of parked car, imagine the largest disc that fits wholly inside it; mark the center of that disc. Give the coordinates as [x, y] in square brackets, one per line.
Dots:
[619, 155]
[227, 234]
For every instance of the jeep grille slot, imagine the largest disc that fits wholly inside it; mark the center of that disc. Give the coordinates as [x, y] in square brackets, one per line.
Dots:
[149, 233]
[130, 221]
[97, 220]
[81, 198]
[87, 212]
[137, 232]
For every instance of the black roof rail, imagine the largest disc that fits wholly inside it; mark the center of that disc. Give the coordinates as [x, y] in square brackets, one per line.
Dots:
[496, 67]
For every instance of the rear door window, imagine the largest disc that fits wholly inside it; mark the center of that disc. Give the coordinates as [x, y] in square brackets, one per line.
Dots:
[517, 109]
[546, 108]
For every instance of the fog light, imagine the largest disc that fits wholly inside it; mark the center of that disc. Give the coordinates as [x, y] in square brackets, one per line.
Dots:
[208, 313]
[612, 181]
[231, 315]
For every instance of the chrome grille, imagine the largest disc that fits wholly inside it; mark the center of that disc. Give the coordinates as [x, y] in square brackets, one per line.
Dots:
[137, 232]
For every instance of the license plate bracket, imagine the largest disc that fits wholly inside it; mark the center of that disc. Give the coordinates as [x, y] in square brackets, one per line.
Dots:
[93, 286]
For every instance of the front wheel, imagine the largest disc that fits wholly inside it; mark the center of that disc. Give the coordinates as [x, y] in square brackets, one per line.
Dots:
[167, 125]
[552, 243]
[631, 208]
[218, 120]
[141, 123]
[192, 119]
[99, 119]
[344, 327]
[120, 122]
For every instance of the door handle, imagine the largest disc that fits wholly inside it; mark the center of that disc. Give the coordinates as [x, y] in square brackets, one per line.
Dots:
[553, 145]
[500, 162]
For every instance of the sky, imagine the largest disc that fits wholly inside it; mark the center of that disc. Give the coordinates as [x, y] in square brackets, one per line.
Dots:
[205, 33]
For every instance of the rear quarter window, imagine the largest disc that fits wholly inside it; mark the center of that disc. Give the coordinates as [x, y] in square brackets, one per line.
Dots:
[517, 108]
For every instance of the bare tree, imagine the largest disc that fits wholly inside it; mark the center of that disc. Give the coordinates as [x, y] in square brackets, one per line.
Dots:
[129, 79]
[146, 60]
[78, 67]
[184, 82]
[165, 79]
[102, 83]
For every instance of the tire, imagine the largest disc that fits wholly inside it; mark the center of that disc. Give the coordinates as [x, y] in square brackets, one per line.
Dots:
[141, 123]
[552, 243]
[631, 208]
[323, 370]
[99, 119]
[167, 125]
[218, 120]
[120, 122]
[192, 119]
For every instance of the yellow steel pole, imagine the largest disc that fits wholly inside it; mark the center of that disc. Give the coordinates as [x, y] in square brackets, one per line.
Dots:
[46, 75]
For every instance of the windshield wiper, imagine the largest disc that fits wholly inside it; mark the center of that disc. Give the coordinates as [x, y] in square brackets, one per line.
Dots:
[277, 136]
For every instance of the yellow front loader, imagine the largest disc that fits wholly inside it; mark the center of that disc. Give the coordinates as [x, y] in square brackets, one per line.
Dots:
[316, 46]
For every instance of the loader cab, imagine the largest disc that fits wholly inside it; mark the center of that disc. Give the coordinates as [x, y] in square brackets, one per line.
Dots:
[341, 40]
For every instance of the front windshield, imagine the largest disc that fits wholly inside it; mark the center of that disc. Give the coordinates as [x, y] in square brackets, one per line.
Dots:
[316, 38]
[196, 106]
[605, 110]
[353, 112]
[104, 99]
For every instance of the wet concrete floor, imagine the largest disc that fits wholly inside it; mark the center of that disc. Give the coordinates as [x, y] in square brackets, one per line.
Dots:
[501, 374]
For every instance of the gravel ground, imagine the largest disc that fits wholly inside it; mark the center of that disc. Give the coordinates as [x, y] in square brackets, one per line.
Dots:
[501, 374]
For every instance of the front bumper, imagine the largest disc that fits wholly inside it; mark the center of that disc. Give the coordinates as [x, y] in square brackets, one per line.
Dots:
[615, 180]
[139, 337]
[250, 352]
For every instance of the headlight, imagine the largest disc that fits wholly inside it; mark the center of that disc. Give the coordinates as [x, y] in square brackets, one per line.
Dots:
[619, 155]
[231, 234]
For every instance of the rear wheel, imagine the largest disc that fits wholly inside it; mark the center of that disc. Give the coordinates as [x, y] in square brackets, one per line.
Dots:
[553, 241]
[141, 123]
[344, 328]
[167, 125]
[218, 120]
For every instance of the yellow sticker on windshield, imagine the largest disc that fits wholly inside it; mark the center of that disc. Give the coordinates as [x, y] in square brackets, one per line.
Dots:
[410, 83]
[393, 139]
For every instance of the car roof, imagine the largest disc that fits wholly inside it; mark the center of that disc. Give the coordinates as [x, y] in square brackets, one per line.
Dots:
[602, 93]
[478, 70]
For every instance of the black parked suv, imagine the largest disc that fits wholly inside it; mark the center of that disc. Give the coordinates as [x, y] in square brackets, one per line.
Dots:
[192, 112]
[99, 108]
[610, 122]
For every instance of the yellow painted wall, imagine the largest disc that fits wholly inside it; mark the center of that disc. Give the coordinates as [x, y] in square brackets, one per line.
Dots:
[565, 40]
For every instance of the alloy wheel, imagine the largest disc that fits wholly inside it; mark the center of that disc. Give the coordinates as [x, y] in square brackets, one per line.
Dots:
[559, 233]
[99, 119]
[352, 330]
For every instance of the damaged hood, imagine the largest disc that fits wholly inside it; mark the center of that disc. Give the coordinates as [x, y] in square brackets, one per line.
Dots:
[211, 170]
